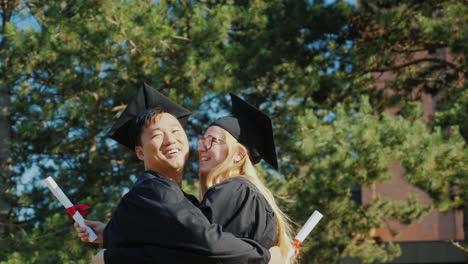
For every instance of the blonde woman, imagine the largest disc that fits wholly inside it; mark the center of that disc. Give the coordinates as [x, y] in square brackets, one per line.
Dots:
[234, 197]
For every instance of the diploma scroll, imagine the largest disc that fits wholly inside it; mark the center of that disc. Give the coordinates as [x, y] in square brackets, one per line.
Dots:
[55, 189]
[304, 232]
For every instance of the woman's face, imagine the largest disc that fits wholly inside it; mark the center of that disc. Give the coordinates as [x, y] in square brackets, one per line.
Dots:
[212, 149]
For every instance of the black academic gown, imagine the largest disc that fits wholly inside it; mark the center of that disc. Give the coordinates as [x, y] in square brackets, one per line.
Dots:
[240, 209]
[155, 223]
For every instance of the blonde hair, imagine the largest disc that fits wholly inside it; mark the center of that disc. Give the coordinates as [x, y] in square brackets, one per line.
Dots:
[246, 169]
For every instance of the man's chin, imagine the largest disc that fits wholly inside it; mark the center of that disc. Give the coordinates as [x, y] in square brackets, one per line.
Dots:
[177, 165]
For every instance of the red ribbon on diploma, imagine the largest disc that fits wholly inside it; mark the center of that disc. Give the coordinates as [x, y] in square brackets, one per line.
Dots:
[296, 244]
[78, 208]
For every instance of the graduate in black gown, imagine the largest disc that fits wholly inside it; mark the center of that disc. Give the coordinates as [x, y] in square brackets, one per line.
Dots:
[237, 205]
[234, 196]
[155, 217]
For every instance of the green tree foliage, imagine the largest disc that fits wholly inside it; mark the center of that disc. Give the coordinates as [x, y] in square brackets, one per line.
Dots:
[422, 47]
[417, 51]
[356, 149]
[299, 61]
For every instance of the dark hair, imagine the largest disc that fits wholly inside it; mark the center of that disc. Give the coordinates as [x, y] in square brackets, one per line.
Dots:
[141, 122]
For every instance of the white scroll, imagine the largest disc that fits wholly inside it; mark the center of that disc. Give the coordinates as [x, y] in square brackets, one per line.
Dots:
[55, 189]
[305, 231]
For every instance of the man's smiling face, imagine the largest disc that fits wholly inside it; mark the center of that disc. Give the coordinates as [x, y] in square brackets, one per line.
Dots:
[164, 146]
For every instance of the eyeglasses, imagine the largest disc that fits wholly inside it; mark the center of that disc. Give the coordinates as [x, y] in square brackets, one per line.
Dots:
[208, 141]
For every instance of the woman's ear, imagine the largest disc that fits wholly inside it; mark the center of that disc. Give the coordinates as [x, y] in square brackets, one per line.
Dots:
[240, 153]
[139, 152]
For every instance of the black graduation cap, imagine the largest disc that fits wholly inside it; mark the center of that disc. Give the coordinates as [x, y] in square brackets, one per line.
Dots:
[252, 128]
[147, 98]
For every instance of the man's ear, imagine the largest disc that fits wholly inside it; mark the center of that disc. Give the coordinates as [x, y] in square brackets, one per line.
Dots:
[139, 152]
[240, 153]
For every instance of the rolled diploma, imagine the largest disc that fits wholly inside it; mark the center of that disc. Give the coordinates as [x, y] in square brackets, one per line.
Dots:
[307, 228]
[55, 189]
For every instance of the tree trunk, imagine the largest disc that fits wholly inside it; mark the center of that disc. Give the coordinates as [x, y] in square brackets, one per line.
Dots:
[7, 8]
[5, 160]
[5, 137]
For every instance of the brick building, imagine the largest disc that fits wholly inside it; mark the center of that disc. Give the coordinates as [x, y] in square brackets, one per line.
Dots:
[428, 239]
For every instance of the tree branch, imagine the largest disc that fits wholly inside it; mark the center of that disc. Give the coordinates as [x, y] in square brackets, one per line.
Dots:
[458, 245]
[397, 67]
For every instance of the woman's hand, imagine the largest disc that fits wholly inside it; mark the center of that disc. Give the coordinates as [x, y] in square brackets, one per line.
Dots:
[276, 257]
[99, 258]
[97, 226]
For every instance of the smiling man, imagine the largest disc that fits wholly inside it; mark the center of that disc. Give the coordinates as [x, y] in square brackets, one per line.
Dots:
[163, 144]
[155, 222]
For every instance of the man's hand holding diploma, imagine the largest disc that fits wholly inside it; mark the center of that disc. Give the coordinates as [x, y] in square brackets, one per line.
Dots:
[97, 226]
[76, 212]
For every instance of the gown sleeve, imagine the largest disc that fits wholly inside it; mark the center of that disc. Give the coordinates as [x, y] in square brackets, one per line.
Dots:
[155, 223]
[240, 209]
